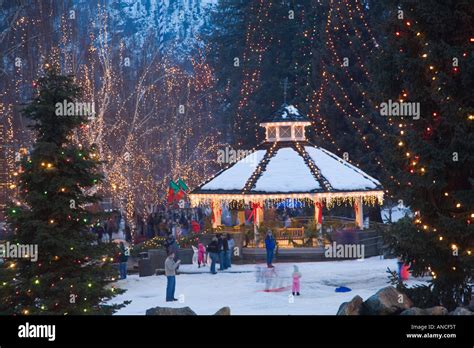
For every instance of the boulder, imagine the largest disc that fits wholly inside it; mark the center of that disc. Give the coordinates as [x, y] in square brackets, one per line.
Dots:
[471, 305]
[414, 311]
[170, 311]
[437, 310]
[387, 301]
[223, 311]
[461, 311]
[353, 307]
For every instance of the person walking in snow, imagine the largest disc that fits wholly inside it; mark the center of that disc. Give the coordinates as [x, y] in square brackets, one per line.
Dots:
[213, 251]
[201, 255]
[123, 258]
[222, 247]
[230, 244]
[296, 281]
[170, 272]
[270, 247]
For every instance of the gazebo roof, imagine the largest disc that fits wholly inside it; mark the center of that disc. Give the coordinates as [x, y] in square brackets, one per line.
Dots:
[286, 165]
[292, 170]
[286, 113]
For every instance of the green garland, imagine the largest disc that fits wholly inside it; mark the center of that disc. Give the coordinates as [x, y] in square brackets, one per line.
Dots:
[159, 242]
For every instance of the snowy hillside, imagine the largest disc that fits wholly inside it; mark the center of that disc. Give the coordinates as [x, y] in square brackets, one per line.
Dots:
[174, 24]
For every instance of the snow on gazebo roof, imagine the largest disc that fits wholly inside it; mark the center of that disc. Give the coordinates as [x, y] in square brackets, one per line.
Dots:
[286, 113]
[285, 166]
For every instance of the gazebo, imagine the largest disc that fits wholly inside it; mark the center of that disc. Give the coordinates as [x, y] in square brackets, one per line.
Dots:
[287, 166]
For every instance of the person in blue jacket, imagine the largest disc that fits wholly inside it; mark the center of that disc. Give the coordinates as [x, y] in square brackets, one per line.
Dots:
[270, 246]
[123, 258]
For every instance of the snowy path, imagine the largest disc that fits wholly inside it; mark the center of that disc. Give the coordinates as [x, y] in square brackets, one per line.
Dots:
[238, 289]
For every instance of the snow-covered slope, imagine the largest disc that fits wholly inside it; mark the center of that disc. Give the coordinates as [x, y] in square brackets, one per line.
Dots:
[172, 24]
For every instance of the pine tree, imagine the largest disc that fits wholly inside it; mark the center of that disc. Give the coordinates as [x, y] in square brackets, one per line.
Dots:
[72, 274]
[427, 59]
[253, 48]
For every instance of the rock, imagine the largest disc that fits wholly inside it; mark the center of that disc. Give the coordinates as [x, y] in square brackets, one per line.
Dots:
[387, 301]
[353, 307]
[170, 311]
[414, 311]
[223, 311]
[471, 305]
[461, 311]
[436, 310]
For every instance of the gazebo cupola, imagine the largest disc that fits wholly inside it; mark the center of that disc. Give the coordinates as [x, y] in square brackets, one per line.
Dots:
[286, 124]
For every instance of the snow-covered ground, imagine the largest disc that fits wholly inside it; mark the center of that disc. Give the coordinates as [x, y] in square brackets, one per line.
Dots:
[238, 288]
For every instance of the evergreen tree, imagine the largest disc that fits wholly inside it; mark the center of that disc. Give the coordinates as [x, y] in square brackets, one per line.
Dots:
[427, 59]
[254, 47]
[300, 41]
[72, 274]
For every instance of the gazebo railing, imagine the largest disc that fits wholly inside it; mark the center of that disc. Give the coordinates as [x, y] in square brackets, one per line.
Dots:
[289, 233]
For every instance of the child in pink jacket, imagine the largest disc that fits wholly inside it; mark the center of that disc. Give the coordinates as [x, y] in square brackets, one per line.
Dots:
[201, 254]
[296, 281]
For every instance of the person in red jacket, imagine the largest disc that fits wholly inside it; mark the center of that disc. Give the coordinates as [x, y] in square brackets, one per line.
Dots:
[195, 226]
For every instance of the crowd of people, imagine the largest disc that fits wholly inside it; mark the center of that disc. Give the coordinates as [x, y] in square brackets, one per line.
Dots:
[220, 249]
[163, 221]
[173, 224]
[114, 224]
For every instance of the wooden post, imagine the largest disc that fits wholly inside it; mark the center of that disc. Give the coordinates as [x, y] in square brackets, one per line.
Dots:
[359, 212]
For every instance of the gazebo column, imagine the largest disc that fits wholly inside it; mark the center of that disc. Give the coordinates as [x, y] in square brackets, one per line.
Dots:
[359, 212]
[241, 217]
[217, 213]
[318, 212]
[260, 215]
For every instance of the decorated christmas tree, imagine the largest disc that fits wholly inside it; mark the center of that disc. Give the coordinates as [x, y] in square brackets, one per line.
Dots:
[71, 273]
[429, 64]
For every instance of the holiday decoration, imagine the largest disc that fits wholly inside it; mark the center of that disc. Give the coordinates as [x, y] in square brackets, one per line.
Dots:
[69, 273]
